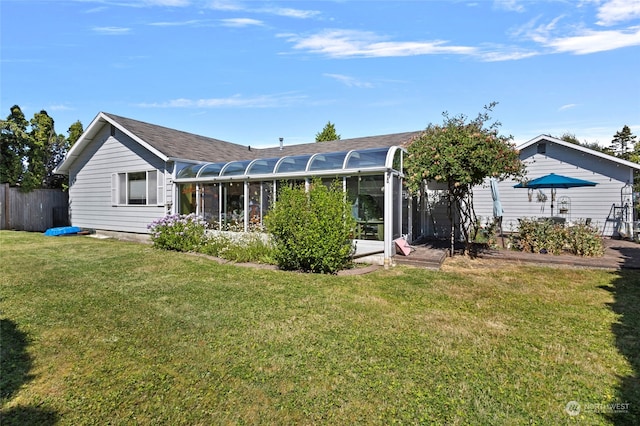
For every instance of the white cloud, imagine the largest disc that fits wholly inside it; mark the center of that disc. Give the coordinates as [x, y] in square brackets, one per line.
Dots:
[173, 3]
[59, 107]
[510, 5]
[590, 41]
[614, 11]
[508, 53]
[230, 5]
[236, 101]
[567, 106]
[240, 22]
[577, 39]
[350, 43]
[112, 30]
[177, 23]
[291, 13]
[349, 81]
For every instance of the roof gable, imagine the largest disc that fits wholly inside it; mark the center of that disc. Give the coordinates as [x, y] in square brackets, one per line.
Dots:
[579, 148]
[170, 144]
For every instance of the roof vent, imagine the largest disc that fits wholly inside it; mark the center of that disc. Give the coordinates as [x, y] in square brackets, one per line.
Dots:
[281, 141]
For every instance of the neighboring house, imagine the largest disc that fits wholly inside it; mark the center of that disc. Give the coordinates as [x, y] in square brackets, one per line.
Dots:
[604, 204]
[124, 174]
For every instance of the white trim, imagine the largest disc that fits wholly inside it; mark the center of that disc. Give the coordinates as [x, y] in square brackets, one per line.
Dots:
[578, 148]
[90, 133]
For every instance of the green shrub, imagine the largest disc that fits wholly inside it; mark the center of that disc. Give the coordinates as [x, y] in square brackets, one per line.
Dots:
[544, 236]
[178, 232]
[311, 230]
[584, 240]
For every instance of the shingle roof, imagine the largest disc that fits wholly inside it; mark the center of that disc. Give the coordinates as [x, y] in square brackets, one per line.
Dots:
[177, 144]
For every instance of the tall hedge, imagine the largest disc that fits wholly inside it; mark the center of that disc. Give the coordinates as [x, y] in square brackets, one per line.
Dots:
[311, 230]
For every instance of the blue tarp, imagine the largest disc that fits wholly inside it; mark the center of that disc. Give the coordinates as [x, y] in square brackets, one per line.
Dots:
[65, 230]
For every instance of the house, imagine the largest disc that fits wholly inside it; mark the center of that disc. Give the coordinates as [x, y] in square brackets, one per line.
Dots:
[608, 205]
[124, 174]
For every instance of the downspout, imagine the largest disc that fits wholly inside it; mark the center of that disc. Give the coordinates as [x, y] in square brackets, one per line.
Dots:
[246, 205]
[388, 219]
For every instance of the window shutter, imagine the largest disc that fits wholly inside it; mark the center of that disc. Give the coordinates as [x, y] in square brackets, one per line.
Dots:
[122, 188]
[114, 189]
[152, 187]
[160, 188]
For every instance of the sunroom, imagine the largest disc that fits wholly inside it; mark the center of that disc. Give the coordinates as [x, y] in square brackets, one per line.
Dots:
[237, 195]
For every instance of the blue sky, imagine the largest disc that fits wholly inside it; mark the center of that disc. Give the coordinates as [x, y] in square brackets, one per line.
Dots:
[253, 71]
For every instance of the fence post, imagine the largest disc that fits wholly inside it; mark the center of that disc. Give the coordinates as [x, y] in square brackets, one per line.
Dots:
[5, 206]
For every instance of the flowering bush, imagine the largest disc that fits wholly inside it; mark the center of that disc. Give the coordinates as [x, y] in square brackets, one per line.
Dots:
[178, 232]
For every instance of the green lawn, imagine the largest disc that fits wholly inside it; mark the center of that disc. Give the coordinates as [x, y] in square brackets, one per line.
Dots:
[102, 331]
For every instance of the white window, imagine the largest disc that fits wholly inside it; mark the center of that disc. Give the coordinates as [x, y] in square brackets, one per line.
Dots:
[144, 188]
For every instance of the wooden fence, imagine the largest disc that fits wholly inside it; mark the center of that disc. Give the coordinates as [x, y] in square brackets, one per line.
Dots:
[36, 211]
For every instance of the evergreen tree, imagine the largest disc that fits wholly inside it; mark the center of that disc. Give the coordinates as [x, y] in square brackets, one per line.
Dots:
[622, 143]
[75, 131]
[328, 133]
[31, 150]
[13, 146]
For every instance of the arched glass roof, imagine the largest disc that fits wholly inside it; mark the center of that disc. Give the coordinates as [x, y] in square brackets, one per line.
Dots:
[329, 161]
[189, 171]
[296, 163]
[374, 157]
[262, 166]
[235, 168]
[354, 160]
[211, 170]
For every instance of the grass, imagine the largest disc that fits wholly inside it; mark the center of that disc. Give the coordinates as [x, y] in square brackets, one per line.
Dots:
[102, 331]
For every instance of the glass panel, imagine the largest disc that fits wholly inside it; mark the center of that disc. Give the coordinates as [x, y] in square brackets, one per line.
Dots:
[397, 160]
[233, 205]
[255, 213]
[330, 161]
[187, 198]
[397, 206]
[137, 188]
[211, 170]
[267, 196]
[291, 183]
[235, 168]
[352, 194]
[368, 207]
[329, 181]
[375, 157]
[189, 171]
[262, 166]
[296, 163]
[211, 203]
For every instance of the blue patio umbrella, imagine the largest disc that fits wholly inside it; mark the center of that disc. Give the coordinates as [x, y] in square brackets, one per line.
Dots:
[554, 182]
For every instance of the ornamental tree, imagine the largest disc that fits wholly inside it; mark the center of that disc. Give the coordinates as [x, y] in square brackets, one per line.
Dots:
[462, 153]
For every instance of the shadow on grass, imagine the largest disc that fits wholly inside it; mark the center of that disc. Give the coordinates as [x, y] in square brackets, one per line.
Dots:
[626, 304]
[15, 364]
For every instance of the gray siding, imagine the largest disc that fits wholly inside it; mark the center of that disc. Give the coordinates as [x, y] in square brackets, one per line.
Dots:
[588, 202]
[90, 184]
